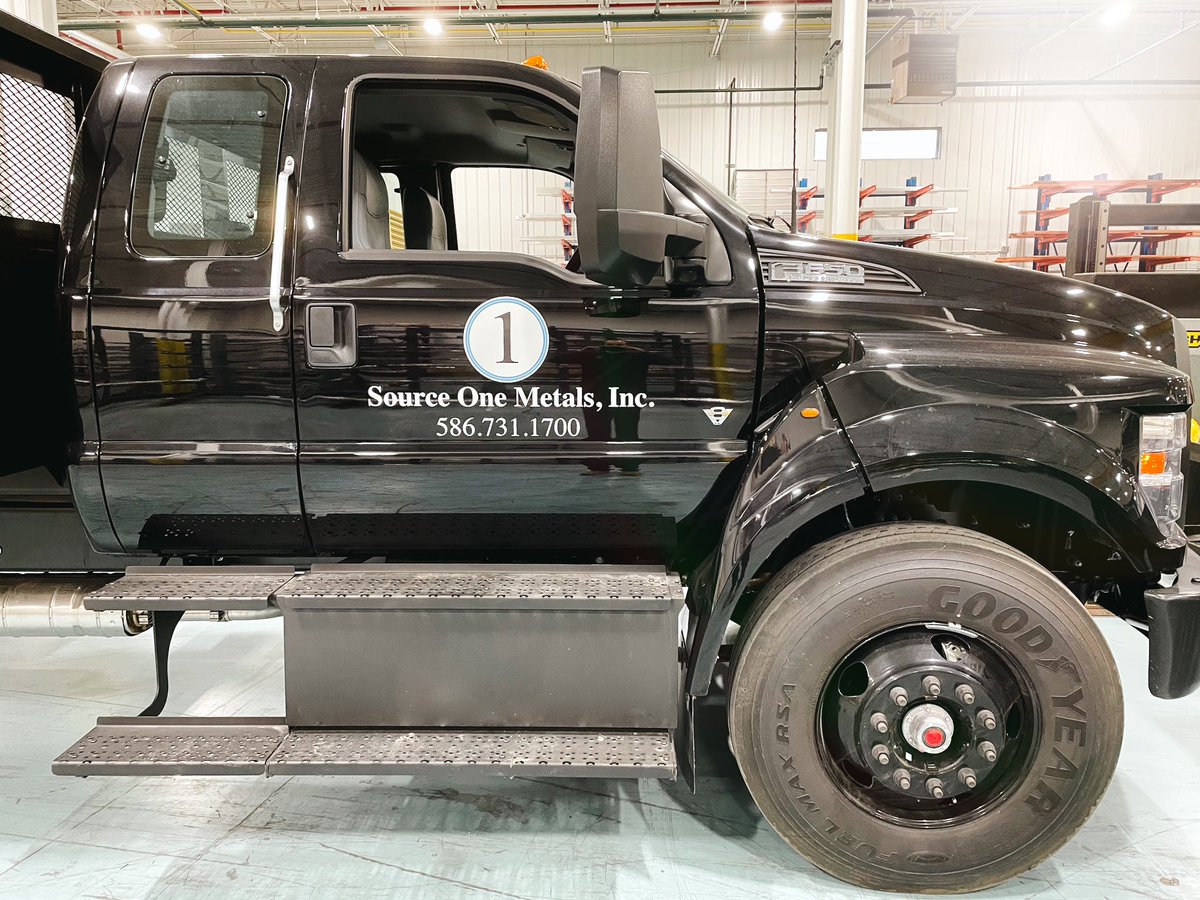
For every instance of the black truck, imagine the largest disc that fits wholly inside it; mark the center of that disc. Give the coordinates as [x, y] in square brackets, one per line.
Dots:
[519, 516]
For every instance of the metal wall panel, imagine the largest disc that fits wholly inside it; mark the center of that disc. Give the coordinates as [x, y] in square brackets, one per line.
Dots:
[992, 137]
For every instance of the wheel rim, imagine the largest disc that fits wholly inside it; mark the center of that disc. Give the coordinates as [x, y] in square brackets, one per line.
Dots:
[927, 724]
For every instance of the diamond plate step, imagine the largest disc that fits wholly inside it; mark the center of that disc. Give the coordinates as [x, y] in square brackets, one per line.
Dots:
[173, 746]
[245, 746]
[481, 587]
[184, 588]
[557, 754]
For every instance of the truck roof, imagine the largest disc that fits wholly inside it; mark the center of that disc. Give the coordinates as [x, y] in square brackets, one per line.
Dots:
[366, 64]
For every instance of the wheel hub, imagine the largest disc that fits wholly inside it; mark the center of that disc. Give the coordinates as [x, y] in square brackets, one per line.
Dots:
[927, 728]
[920, 717]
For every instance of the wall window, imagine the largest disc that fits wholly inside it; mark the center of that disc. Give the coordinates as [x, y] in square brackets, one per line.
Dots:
[889, 143]
[206, 171]
[512, 210]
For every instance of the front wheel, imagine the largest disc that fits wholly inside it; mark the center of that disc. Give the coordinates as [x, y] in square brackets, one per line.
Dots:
[922, 708]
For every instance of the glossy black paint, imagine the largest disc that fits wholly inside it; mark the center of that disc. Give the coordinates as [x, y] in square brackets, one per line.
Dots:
[980, 374]
[990, 374]
[380, 480]
[192, 386]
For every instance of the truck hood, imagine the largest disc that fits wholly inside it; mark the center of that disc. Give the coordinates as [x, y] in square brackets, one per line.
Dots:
[898, 290]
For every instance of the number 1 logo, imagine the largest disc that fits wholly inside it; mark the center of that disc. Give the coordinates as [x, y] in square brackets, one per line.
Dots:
[506, 339]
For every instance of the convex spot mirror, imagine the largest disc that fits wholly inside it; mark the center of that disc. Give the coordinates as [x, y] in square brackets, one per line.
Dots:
[624, 232]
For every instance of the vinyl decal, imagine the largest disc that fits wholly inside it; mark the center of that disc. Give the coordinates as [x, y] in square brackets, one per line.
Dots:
[506, 339]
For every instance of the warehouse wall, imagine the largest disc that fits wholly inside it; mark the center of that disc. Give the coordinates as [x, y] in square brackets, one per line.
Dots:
[992, 137]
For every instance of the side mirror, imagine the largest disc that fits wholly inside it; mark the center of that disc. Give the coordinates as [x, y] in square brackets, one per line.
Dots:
[624, 232]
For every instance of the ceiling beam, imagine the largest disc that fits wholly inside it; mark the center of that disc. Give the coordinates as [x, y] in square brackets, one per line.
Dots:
[466, 17]
[1147, 49]
[716, 47]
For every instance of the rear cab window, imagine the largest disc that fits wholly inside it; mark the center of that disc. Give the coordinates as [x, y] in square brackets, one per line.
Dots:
[207, 166]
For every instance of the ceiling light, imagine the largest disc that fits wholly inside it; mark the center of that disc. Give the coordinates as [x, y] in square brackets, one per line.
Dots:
[1116, 14]
[773, 20]
[150, 32]
[433, 26]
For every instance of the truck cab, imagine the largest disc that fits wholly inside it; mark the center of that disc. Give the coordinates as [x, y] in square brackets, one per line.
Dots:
[537, 508]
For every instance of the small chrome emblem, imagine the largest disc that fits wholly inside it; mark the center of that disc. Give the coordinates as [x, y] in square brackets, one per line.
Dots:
[718, 414]
[816, 272]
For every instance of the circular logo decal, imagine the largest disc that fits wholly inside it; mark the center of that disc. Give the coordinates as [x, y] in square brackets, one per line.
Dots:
[506, 339]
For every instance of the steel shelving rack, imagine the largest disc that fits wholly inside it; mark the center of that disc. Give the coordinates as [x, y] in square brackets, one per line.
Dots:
[1149, 239]
[760, 190]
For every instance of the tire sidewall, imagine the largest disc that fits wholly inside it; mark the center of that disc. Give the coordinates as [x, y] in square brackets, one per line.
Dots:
[821, 616]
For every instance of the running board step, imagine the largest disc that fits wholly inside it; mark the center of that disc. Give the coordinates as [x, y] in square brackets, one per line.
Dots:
[182, 588]
[245, 746]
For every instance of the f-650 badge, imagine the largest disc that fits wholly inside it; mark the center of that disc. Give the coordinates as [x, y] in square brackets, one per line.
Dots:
[816, 272]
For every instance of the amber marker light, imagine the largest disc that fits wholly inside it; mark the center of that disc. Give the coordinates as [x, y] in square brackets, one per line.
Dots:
[1153, 463]
[810, 412]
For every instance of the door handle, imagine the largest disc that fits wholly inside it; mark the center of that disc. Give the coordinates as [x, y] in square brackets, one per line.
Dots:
[275, 290]
[331, 335]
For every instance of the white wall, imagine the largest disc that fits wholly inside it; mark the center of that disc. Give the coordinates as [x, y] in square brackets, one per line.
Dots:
[992, 137]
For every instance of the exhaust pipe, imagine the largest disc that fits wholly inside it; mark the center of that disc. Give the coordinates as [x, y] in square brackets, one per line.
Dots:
[53, 607]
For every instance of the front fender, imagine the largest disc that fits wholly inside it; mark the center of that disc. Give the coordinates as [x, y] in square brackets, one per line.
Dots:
[1056, 421]
[801, 465]
[1057, 428]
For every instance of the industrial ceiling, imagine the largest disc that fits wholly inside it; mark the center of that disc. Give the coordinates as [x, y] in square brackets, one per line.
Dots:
[415, 27]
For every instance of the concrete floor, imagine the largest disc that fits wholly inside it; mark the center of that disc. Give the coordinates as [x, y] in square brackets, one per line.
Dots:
[433, 839]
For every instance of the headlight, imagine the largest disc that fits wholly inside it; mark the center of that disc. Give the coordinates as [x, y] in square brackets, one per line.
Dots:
[1160, 466]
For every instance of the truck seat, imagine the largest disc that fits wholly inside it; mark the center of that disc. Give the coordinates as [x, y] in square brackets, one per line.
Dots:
[424, 220]
[368, 207]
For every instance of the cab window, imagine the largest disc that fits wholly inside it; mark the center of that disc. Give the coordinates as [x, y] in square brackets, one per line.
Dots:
[207, 166]
[459, 168]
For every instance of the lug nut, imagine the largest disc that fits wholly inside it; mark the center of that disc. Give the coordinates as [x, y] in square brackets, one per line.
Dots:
[881, 754]
[966, 696]
[936, 788]
[967, 777]
[987, 750]
[902, 780]
[899, 696]
[879, 722]
[986, 719]
[931, 685]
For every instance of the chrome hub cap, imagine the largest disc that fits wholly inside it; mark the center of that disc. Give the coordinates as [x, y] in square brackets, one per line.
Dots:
[928, 728]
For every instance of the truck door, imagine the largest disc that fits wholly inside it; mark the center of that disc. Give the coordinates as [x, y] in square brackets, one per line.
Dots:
[461, 392]
[192, 371]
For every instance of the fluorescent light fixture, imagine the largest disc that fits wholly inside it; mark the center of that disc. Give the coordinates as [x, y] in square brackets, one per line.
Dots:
[773, 20]
[1115, 14]
[150, 32]
[433, 26]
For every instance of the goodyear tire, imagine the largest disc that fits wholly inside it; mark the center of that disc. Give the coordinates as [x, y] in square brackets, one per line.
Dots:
[834, 663]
